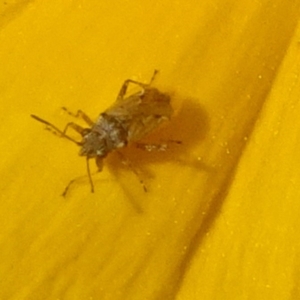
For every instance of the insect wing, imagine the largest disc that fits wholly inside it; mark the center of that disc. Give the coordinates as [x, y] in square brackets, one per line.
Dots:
[140, 113]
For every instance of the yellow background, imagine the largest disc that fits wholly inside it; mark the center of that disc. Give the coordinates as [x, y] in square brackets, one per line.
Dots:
[221, 217]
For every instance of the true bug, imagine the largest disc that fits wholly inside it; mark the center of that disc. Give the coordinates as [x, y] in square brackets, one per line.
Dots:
[127, 121]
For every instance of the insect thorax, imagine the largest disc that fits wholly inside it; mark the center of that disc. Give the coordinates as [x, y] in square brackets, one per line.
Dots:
[106, 135]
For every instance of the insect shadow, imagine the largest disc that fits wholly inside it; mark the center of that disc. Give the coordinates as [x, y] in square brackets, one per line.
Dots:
[186, 130]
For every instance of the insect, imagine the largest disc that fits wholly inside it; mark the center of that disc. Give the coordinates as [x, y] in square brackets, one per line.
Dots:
[127, 121]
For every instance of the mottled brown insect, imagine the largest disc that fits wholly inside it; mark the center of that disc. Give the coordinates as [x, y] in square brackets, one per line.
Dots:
[127, 121]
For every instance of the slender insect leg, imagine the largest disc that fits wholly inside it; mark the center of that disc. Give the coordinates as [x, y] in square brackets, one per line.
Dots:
[76, 127]
[54, 129]
[89, 174]
[68, 187]
[156, 147]
[77, 178]
[152, 147]
[80, 114]
[129, 165]
[153, 77]
[124, 87]
[99, 163]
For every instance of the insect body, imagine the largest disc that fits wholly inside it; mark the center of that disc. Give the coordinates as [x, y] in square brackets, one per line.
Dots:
[127, 121]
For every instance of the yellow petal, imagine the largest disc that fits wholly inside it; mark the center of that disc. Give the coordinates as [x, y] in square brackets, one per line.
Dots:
[251, 249]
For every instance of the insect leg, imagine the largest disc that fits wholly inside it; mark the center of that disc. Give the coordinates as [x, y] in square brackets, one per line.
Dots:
[156, 147]
[153, 77]
[76, 127]
[89, 174]
[129, 165]
[124, 87]
[68, 186]
[80, 114]
[99, 163]
[54, 129]
[77, 178]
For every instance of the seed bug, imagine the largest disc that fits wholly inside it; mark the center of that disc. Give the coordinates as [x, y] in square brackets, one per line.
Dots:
[127, 121]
